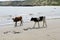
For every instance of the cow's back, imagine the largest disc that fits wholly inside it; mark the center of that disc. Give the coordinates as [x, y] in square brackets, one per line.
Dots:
[41, 18]
[16, 19]
[34, 19]
[19, 18]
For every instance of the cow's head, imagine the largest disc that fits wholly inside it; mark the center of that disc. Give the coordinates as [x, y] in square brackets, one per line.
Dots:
[12, 18]
[32, 19]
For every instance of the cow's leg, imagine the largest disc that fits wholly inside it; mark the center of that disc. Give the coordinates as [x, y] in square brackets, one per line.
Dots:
[34, 25]
[21, 23]
[44, 23]
[38, 25]
[15, 24]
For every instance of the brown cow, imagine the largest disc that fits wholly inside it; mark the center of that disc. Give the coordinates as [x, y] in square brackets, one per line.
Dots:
[17, 19]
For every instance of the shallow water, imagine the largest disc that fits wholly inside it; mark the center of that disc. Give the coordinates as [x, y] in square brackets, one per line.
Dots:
[8, 12]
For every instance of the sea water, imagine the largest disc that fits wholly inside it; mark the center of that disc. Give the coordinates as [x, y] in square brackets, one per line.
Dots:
[9, 12]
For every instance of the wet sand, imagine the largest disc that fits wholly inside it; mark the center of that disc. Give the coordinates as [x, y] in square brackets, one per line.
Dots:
[51, 32]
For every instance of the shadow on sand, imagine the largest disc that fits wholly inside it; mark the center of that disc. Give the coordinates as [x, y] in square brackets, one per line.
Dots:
[33, 28]
[17, 32]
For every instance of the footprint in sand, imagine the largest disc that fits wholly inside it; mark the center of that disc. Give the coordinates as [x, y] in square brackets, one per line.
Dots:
[6, 32]
[16, 32]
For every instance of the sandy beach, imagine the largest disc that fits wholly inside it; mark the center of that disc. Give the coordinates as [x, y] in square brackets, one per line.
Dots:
[51, 32]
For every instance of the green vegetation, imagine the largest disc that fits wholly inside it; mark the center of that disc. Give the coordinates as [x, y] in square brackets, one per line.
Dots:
[32, 3]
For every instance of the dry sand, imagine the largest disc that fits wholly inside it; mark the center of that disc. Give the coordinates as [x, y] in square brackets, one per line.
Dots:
[51, 32]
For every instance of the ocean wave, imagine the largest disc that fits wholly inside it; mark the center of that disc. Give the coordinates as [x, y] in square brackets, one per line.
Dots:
[27, 12]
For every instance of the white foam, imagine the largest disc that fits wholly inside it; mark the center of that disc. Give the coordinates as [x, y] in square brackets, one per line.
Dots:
[27, 12]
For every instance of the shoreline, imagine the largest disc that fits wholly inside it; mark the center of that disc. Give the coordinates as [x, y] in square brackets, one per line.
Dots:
[29, 21]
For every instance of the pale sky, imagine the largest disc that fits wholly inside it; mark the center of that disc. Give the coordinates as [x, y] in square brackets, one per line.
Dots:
[11, 0]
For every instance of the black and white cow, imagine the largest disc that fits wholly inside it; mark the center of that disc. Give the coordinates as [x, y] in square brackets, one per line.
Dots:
[41, 18]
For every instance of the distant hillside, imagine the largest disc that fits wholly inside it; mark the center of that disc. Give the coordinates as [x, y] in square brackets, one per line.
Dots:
[31, 3]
